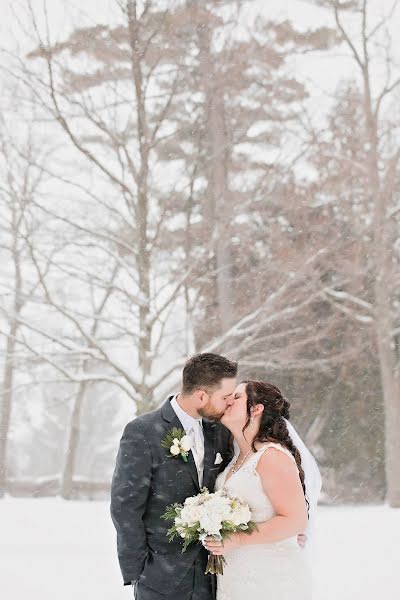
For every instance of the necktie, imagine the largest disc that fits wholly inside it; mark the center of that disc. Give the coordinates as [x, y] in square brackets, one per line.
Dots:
[198, 449]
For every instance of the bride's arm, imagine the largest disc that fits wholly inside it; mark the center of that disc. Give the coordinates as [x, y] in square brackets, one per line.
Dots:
[281, 483]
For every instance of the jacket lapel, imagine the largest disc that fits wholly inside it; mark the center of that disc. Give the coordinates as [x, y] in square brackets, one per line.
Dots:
[171, 420]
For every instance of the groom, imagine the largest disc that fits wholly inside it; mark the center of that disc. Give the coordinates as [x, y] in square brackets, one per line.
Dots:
[147, 479]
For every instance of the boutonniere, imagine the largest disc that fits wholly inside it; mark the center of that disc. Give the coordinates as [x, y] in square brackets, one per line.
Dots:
[178, 443]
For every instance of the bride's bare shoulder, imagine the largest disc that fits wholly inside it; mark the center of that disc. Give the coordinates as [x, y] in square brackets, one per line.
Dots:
[275, 458]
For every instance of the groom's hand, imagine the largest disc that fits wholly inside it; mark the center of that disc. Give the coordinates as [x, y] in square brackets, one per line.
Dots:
[302, 540]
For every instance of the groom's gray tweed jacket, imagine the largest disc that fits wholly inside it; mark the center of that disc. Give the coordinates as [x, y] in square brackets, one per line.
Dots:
[145, 481]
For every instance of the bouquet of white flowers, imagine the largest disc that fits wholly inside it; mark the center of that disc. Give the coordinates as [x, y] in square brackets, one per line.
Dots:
[217, 515]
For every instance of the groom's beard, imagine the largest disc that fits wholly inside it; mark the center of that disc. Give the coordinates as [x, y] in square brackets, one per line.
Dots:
[211, 414]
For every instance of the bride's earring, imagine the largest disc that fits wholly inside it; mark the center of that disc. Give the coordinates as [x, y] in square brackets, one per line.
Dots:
[252, 422]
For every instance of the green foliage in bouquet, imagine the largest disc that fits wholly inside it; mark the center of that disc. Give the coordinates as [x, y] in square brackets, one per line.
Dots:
[191, 532]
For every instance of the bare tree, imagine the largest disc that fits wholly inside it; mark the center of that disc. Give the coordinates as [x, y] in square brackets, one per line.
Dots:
[242, 109]
[379, 175]
[21, 179]
[115, 120]
[175, 219]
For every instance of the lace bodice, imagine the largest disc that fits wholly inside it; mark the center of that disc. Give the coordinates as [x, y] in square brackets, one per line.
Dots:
[246, 484]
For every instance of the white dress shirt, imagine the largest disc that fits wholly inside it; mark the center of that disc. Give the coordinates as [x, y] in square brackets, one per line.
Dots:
[194, 429]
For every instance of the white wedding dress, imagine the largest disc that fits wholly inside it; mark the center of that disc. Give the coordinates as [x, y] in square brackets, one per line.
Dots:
[277, 571]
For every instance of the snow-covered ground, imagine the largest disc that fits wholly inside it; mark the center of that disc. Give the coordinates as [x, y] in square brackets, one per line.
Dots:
[56, 550]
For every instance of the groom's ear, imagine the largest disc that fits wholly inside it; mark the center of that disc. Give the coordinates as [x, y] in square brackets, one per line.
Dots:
[201, 396]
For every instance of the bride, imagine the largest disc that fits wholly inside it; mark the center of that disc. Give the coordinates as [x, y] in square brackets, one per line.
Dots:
[268, 475]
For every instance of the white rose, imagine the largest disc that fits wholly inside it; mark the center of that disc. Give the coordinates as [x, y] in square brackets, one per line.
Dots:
[219, 507]
[241, 516]
[175, 450]
[175, 441]
[186, 443]
[191, 501]
[191, 514]
[211, 524]
[225, 510]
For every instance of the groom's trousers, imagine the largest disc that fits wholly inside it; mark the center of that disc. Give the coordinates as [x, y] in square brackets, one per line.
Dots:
[195, 585]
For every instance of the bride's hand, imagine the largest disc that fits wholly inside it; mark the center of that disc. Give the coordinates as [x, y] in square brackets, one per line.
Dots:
[218, 547]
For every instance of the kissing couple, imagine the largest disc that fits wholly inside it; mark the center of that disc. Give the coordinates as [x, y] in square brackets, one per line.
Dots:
[241, 441]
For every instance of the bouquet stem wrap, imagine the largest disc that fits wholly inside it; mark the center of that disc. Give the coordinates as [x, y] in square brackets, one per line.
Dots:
[215, 564]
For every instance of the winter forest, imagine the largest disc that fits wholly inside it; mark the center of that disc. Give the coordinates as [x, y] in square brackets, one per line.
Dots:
[182, 176]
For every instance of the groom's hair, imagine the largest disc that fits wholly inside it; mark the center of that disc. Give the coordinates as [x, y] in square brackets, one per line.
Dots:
[205, 371]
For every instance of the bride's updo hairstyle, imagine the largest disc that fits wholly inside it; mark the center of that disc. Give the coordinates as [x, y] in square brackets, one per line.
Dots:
[273, 426]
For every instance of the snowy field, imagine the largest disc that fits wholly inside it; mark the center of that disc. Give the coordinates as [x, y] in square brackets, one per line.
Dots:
[56, 550]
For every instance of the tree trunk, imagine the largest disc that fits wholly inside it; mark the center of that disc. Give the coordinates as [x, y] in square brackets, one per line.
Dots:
[67, 480]
[382, 267]
[388, 359]
[218, 207]
[6, 405]
[143, 251]
[8, 379]
[220, 197]
[73, 444]
[391, 394]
